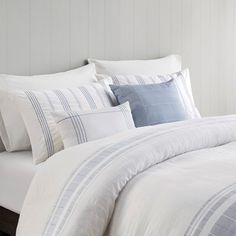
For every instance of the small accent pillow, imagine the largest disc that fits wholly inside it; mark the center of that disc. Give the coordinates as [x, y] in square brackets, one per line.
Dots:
[80, 127]
[155, 103]
[36, 108]
[183, 85]
[13, 131]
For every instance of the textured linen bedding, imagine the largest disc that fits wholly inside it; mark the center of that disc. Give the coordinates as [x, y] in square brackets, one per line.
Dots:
[16, 173]
[172, 179]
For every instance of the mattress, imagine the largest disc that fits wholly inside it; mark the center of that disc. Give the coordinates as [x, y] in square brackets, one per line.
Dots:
[16, 173]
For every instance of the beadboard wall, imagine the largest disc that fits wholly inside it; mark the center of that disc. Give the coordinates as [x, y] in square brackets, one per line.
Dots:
[44, 36]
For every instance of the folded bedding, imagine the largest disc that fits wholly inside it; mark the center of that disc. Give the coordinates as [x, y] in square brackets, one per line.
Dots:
[170, 179]
[16, 173]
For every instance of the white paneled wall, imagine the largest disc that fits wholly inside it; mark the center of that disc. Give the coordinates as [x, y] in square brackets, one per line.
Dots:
[43, 36]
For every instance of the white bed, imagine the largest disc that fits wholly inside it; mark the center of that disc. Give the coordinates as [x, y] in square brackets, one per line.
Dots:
[16, 173]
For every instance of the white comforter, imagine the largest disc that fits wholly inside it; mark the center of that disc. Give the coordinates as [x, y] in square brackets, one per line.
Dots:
[115, 187]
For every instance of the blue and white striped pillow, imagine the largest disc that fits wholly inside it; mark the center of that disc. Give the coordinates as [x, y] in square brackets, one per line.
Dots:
[78, 127]
[36, 108]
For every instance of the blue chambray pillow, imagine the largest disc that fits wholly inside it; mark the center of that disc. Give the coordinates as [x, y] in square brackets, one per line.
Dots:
[153, 103]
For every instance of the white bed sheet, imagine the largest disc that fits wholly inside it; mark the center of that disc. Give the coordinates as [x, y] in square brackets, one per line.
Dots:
[16, 173]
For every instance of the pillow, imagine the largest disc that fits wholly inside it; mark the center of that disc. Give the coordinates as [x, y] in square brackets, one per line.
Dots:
[36, 107]
[184, 84]
[166, 65]
[80, 127]
[156, 103]
[13, 132]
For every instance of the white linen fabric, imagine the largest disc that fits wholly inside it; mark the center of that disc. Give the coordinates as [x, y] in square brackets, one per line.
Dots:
[182, 82]
[162, 66]
[12, 130]
[80, 127]
[79, 190]
[36, 109]
[16, 173]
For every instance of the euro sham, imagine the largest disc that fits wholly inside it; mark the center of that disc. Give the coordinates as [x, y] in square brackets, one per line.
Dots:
[162, 66]
[13, 131]
[36, 109]
[80, 127]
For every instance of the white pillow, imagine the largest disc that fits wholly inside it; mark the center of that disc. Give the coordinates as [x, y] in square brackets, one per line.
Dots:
[13, 132]
[80, 127]
[166, 65]
[36, 108]
[183, 85]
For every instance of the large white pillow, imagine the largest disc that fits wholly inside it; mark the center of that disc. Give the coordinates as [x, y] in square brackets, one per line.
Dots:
[13, 132]
[36, 108]
[79, 127]
[166, 65]
[183, 85]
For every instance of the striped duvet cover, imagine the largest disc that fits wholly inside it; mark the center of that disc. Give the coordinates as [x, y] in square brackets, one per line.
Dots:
[172, 179]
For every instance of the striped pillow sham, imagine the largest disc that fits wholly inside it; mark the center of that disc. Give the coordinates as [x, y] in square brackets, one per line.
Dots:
[184, 85]
[78, 127]
[36, 109]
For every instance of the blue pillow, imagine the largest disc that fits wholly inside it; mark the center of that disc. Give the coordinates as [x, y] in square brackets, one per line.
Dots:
[152, 104]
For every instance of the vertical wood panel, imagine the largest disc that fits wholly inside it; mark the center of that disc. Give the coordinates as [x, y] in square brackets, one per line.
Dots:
[165, 26]
[176, 26]
[97, 28]
[40, 37]
[79, 35]
[18, 36]
[3, 35]
[60, 35]
[127, 29]
[186, 33]
[153, 28]
[140, 29]
[112, 29]
[213, 60]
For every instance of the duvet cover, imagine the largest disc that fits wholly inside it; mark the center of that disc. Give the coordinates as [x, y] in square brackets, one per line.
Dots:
[167, 180]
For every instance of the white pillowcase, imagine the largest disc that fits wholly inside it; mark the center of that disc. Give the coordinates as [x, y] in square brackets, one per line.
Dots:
[36, 108]
[12, 130]
[80, 127]
[166, 65]
[183, 84]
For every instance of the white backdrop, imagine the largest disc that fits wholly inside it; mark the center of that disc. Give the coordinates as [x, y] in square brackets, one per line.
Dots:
[42, 36]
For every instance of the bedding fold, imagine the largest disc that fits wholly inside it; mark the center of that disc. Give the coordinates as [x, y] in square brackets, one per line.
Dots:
[75, 192]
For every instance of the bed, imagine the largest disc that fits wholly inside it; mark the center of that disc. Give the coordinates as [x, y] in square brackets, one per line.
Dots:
[172, 179]
[115, 154]
[16, 173]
